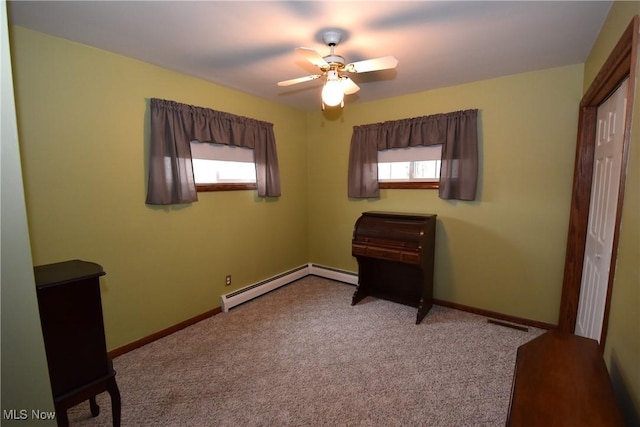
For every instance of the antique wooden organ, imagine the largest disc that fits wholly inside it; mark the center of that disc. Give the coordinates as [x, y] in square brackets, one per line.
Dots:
[395, 253]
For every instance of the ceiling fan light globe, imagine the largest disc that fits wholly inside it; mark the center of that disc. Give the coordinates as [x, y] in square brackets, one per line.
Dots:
[332, 93]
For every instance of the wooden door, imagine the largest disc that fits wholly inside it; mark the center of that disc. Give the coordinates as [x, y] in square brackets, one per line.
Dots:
[622, 63]
[597, 262]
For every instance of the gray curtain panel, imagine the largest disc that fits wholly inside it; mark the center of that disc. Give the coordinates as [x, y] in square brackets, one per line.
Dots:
[456, 131]
[175, 125]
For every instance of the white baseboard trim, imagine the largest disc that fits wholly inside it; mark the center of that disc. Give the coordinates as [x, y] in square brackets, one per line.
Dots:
[250, 292]
[334, 274]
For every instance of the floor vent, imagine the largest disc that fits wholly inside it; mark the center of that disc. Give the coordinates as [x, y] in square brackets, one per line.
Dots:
[250, 292]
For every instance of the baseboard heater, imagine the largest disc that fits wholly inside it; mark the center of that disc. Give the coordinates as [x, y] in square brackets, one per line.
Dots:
[334, 274]
[250, 292]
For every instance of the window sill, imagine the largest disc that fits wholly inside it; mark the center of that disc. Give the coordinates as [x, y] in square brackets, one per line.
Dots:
[200, 188]
[433, 185]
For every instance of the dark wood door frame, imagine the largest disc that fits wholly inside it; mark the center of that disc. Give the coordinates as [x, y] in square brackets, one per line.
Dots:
[620, 65]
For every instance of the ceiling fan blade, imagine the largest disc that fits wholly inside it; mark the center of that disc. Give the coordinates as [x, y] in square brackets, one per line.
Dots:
[349, 86]
[312, 56]
[382, 63]
[299, 80]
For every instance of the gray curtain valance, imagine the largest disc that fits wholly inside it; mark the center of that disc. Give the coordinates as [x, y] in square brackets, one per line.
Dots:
[175, 125]
[456, 131]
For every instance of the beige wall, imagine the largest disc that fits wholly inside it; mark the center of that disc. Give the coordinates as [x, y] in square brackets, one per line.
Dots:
[85, 171]
[505, 251]
[622, 352]
[83, 123]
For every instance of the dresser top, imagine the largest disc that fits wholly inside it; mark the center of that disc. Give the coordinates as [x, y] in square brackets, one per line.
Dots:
[66, 271]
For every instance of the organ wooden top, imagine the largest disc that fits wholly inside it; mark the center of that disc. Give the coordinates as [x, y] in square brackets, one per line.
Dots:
[392, 236]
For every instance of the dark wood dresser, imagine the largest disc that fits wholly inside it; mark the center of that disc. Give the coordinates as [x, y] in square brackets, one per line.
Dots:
[561, 380]
[395, 253]
[72, 326]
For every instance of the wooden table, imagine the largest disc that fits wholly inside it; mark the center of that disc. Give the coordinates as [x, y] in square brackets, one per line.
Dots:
[561, 380]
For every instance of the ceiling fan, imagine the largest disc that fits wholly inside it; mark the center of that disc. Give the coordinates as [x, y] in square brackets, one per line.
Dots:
[333, 67]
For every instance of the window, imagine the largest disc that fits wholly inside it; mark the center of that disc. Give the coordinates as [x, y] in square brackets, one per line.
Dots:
[413, 167]
[220, 167]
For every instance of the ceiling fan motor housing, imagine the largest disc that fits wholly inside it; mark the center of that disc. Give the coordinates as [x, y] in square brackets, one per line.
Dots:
[332, 38]
[336, 61]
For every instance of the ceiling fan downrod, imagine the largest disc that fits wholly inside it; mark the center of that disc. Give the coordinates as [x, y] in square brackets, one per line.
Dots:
[332, 39]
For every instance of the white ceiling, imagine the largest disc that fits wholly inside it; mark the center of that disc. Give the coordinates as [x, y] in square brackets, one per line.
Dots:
[249, 46]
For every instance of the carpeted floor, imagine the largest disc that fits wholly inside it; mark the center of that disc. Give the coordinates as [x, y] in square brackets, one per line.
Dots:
[303, 356]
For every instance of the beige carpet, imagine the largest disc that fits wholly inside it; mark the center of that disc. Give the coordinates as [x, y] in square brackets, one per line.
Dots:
[303, 356]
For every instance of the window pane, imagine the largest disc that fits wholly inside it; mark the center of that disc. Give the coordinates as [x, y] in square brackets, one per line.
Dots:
[236, 171]
[384, 171]
[400, 170]
[203, 171]
[394, 171]
[220, 171]
[427, 169]
[412, 164]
